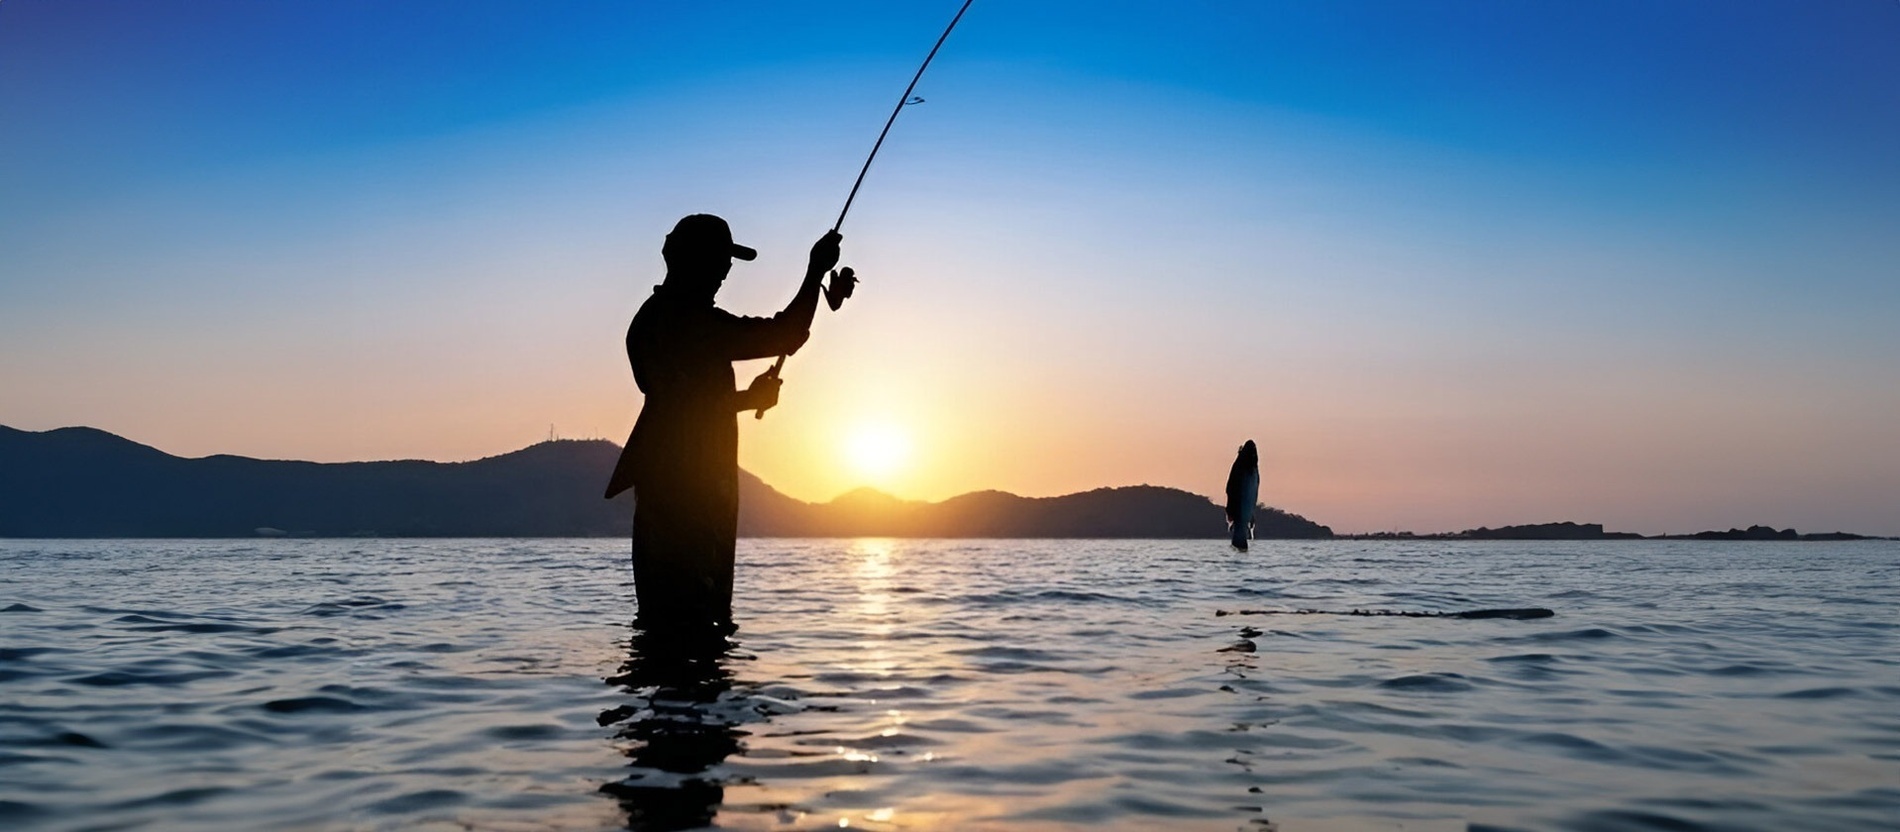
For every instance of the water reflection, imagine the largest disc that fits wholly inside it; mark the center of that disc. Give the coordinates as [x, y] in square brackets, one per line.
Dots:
[875, 611]
[681, 724]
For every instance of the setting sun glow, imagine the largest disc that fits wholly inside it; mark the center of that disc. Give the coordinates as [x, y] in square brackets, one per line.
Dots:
[877, 451]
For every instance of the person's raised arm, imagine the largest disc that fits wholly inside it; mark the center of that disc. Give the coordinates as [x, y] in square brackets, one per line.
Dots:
[785, 332]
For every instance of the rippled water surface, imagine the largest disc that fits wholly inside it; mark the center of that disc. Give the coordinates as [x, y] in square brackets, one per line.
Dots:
[874, 684]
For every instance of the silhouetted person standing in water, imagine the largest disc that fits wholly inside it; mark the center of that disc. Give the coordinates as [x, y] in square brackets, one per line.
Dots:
[682, 460]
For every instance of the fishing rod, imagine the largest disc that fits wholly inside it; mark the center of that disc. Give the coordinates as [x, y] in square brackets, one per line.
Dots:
[902, 101]
[835, 300]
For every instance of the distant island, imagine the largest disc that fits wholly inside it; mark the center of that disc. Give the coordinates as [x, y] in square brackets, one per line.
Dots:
[1594, 531]
[85, 482]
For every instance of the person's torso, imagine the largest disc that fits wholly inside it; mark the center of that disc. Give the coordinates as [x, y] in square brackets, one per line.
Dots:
[687, 427]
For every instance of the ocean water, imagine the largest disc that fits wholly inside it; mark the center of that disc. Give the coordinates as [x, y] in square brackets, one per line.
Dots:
[899, 684]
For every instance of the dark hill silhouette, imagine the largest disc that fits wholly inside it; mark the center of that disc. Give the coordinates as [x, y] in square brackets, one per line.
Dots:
[1769, 533]
[1142, 511]
[83, 482]
[1546, 531]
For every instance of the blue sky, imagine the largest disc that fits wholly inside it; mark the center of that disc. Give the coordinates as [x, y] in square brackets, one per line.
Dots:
[1451, 264]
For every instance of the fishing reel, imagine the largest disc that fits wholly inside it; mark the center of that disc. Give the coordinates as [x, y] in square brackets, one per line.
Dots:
[843, 282]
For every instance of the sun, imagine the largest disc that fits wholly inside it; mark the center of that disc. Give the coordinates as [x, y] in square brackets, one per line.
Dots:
[877, 451]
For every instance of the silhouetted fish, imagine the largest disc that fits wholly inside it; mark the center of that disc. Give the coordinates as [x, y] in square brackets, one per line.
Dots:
[1243, 492]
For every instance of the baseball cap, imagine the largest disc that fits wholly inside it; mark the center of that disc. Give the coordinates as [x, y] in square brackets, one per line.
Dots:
[705, 233]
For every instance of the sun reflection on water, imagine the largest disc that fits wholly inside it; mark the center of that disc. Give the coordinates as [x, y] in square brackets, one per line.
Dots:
[872, 571]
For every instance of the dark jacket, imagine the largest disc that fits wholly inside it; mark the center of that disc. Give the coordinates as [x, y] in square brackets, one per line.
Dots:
[681, 349]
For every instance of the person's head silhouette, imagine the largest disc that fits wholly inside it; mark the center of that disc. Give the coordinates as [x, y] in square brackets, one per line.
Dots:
[699, 253]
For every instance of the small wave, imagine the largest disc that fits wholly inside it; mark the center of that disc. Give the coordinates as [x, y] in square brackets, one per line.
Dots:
[953, 725]
[1540, 658]
[203, 628]
[1655, 757]
[123, 678]
[1885, 798]
[1096, 813]
[1018, 597]
[176, 797]
[1834, 692]
[888, 692]
[1093, 632]
[1376, 709]
[1007, 715]
[61, 738]
[417, 802]
[326, 609]
[1428, 682]
[20, 608]
[1852, 600]
[879, 742]
[1039, 773]
[1025, 654]
[8, 758]
[1749, 669]
[1571, 745]
[1166, 693]
[78, 739]
[1073, 700]
[312, 704]
[1016, 667]
[815, 766]
[152, 621]
[1584, 634]
[1663, 629]
[14, 654]
[292, 651]
[359, 693]
[1633, 820]
[177, 737]
[18, 811]
[525, 732]
[1428, 762]
[1704, 804]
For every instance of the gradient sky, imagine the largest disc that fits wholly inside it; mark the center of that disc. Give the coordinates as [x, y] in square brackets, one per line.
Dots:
[1450, 264]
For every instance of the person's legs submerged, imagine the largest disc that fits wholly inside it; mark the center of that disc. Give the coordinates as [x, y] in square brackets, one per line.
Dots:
[682, 560]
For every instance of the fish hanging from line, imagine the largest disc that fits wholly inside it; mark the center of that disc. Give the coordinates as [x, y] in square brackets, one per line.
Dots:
[1243, 493]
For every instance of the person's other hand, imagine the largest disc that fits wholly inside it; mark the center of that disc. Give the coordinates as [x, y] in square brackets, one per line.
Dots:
[763, 393]
[824, 253]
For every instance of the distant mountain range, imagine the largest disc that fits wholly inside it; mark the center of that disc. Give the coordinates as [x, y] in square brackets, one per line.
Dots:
[84, 482]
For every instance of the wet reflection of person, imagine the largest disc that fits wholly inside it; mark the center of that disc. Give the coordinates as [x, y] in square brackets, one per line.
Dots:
[682, 460]
[676, 729]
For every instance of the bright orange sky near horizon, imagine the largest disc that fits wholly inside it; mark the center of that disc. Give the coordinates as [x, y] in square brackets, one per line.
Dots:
[1448, 267]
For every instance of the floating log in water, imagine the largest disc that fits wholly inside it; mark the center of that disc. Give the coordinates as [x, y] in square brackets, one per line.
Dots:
[1514, 613]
